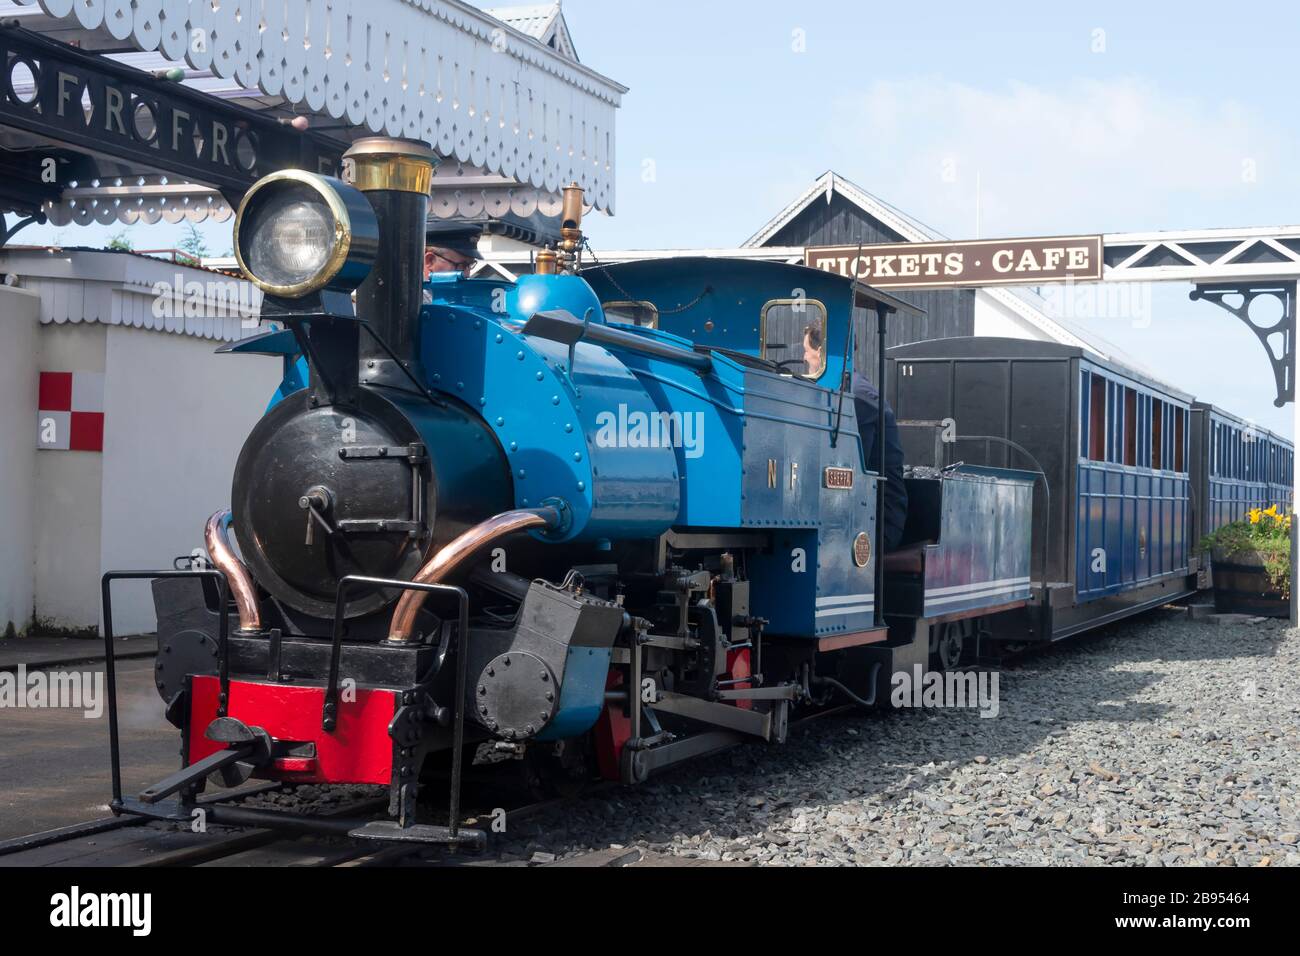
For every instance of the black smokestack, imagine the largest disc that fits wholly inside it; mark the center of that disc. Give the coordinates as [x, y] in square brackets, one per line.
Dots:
[395, 175]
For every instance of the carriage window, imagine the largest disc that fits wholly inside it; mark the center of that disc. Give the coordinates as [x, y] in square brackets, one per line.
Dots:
[1130, 427]
[1157, 436]
[632, 313]
[1114, 421]
[793, 334]
[1178, 438]
[1097, 419]
[1144, 441]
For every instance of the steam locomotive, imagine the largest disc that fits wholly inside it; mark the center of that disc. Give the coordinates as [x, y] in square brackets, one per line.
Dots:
[605, 519]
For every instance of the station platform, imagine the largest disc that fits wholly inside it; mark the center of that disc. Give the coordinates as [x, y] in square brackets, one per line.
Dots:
[34, 652]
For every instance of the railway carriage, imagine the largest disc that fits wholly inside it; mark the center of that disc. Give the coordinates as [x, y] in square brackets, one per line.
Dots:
[1236, 466]
[1111, 529]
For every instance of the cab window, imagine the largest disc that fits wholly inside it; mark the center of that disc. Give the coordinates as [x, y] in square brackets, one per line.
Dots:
[793, 334]
[632, 313]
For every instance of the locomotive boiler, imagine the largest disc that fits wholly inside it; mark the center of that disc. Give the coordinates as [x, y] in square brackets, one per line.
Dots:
[599, 530]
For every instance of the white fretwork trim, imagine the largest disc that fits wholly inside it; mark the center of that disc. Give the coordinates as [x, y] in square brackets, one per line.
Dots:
[440, 71]
[129, 201]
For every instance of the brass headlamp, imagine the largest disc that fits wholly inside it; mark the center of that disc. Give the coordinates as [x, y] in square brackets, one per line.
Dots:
[297, 233]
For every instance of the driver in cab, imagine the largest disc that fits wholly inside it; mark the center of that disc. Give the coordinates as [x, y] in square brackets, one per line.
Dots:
[869, 407]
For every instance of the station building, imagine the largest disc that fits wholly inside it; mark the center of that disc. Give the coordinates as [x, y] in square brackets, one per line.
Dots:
[119, 423]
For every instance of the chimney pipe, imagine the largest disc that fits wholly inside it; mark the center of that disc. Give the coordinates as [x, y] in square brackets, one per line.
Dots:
[395, 175]
[569, 254]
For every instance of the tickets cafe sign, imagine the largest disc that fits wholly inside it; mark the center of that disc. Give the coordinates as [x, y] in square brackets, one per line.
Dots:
[979, 262]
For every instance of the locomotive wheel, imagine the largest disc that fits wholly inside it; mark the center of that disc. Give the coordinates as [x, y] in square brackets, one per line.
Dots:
[560, 770]
[946, 644]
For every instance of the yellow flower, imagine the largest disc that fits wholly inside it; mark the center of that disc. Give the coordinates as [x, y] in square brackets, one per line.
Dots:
[1253, 514]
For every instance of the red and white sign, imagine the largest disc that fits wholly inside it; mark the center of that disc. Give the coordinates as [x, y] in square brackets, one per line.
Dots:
[70, 414]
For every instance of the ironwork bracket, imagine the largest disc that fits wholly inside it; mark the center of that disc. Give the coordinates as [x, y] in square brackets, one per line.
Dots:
[1283, 359]
[7, 232]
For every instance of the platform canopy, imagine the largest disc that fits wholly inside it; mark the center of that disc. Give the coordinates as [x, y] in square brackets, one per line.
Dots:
[499, 94]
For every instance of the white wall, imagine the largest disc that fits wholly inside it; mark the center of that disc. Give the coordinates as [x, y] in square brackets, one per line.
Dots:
[177, 418]
[19, 318]
[992, 318]
[66, 499]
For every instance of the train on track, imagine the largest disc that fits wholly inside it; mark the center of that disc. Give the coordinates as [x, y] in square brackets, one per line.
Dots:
[607, 519]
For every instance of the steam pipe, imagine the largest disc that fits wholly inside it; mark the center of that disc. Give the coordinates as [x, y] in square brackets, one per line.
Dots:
[454, 554]
[564, 327]
[617, 338]
[238, 576]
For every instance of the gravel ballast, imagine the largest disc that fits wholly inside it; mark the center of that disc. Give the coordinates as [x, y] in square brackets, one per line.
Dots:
[1159, 741]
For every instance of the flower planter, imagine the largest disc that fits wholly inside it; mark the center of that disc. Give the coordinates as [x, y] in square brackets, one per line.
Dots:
[1241, 586]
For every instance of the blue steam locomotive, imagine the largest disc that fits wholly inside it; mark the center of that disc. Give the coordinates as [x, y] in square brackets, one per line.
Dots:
[602, 520]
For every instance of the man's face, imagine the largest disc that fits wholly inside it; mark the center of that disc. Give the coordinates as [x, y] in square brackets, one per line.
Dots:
[811, 355]
[444, 260]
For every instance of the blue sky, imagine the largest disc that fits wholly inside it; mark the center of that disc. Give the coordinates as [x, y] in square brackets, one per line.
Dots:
[1104, 117]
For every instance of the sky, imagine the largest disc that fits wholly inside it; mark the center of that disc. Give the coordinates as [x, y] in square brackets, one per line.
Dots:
[1071, 118]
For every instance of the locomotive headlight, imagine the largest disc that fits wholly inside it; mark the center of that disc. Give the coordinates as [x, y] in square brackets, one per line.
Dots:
[297, 233]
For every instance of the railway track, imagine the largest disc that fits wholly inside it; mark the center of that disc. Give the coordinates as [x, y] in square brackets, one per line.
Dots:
[133, 841]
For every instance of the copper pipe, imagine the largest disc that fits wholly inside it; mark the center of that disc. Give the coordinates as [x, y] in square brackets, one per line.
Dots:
[237, 576]
[453, 555]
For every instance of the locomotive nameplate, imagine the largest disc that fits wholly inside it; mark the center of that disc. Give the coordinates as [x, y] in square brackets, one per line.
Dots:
[834, 477]
[862, 549]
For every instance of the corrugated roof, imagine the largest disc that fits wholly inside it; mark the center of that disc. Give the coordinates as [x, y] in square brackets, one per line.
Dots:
[541, 21]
